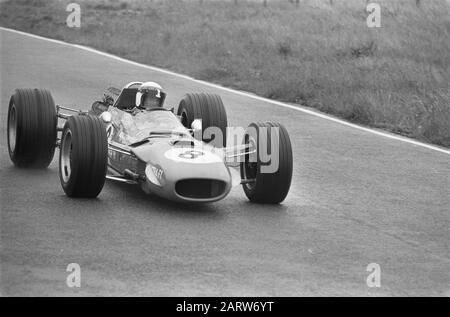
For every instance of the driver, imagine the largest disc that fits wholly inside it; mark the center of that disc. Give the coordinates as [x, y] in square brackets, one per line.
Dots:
[131, 126]
[150, 95]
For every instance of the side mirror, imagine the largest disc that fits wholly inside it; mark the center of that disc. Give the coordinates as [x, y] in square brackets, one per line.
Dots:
[196, 125]
[106, 117]
[98, 107]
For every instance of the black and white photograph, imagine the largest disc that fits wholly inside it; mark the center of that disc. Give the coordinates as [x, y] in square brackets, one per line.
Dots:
[225, 154]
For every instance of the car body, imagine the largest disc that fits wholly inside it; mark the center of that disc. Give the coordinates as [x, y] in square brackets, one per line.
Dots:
[154, 150]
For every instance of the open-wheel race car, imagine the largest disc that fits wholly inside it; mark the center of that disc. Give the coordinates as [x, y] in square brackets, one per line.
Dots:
[127, 137]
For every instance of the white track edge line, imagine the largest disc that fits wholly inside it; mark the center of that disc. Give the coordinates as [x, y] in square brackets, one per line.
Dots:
[242, 93]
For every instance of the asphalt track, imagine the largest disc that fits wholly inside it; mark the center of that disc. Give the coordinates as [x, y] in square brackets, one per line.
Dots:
[356, 198]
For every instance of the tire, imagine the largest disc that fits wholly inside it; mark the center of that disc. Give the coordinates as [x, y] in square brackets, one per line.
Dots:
[83, 156]
[210, 109]
[260, 186]
[31, 129]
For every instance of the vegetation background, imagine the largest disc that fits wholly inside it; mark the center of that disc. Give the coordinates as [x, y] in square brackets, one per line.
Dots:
[317, 53]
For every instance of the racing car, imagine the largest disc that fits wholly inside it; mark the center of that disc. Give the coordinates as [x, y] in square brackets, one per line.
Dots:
[171, 155]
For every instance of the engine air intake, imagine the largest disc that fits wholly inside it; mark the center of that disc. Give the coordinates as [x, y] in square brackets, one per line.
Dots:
[200, 188]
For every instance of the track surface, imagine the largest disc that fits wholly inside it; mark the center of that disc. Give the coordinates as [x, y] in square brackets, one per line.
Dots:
[356, 198]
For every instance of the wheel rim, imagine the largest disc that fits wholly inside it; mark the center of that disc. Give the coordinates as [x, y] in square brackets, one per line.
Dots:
[66, 156]
[250, 169]
[12, 128]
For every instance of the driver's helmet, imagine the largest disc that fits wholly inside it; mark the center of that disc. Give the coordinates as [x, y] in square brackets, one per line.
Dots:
[150, 95]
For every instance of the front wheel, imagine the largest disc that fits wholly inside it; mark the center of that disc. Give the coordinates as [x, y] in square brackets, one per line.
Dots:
[267, 170]
[83, 157]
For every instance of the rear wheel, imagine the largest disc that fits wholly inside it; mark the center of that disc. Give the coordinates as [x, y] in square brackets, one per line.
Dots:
[83, 156]
[210, 109]
[267, 172]
[31, 129]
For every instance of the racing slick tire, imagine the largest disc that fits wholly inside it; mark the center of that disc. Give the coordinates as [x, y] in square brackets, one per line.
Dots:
[210, 109]
[31, 128]
[262, 182]
[83, 156]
